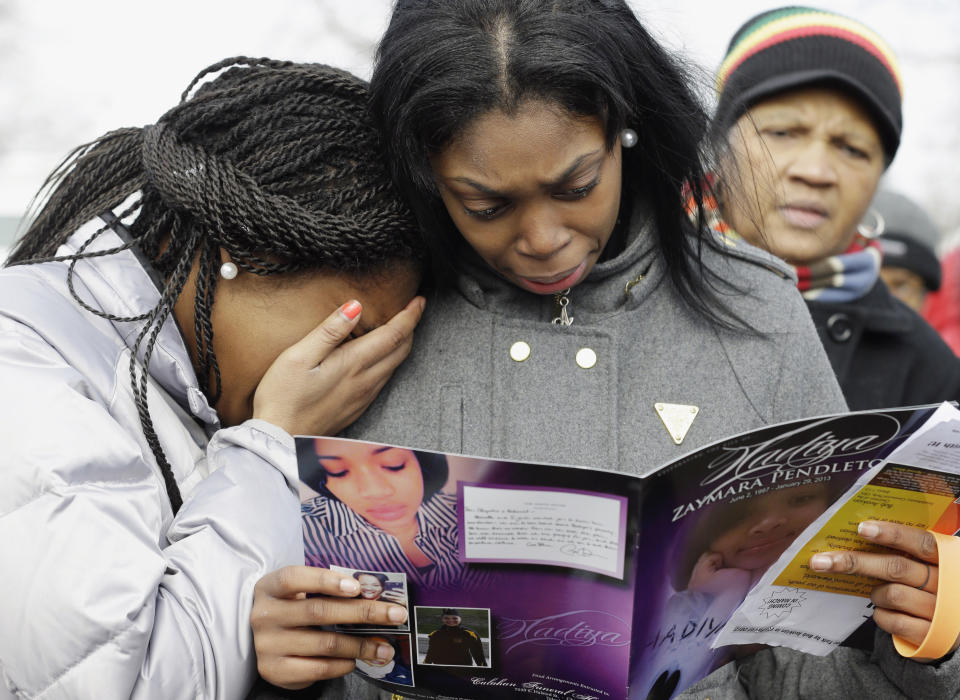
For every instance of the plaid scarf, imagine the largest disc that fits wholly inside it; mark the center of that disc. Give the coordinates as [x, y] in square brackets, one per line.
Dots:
[843, 277]
[838, 278]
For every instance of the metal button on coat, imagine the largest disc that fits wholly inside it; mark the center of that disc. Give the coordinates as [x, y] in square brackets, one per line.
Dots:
[586, 358]
[840, 327]
[519, 351]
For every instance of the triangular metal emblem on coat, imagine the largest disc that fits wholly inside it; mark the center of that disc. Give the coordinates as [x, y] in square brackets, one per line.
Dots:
[677, 418]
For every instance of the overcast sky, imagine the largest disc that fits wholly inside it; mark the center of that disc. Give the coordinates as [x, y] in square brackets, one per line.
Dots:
[72, 70]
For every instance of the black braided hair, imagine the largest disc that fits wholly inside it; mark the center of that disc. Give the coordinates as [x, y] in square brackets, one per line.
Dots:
[275, 162]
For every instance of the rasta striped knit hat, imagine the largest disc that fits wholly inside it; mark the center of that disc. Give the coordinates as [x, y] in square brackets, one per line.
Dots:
[792, 47]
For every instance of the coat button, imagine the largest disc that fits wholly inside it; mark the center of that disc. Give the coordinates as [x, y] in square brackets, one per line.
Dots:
[586, 358]
[840, 327]
[519, 351]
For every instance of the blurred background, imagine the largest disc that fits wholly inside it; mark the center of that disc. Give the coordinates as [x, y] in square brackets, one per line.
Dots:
[73, 70]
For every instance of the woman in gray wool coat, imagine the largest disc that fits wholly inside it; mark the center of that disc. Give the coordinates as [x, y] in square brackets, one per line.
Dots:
[549, 149]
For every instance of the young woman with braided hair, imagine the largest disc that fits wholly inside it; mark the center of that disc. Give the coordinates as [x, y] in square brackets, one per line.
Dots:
[188, 296]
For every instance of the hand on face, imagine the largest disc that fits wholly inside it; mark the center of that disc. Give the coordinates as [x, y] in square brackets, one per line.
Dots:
[320, 385]
[280, 348]
[291, 653]
[906, 599]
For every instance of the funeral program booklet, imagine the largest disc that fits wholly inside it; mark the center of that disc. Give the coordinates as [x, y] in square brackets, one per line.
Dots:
[552, 581]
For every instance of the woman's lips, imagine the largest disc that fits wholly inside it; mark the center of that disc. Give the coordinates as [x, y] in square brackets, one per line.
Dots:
[557, 283]
[803, 216]
[387, 512]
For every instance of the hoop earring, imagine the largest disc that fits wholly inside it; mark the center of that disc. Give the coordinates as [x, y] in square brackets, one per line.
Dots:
[228, 270]
[879, 225]
[628, 138]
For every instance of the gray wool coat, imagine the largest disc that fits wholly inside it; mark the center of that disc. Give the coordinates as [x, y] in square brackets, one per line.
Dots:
[461, 391]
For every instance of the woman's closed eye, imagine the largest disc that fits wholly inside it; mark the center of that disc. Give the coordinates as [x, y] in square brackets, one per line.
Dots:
[487, 213]
[569, 195]
[394, 467]
[336, 475]
[577, 192]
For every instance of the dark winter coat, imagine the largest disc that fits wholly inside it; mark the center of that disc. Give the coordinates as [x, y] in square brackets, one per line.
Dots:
[455, 646]
[884, 354]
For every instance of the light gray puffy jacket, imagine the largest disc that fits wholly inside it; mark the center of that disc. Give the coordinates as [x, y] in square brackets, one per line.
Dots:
[103, 593]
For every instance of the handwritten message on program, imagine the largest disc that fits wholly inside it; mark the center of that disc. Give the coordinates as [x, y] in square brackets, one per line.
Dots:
[533, 525]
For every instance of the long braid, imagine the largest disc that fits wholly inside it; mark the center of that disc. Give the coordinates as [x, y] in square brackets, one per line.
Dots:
[274, 162]
[139, 383]
[203, 328]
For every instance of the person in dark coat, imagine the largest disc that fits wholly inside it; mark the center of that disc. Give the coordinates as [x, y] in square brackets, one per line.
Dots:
[453, 644]
[810, 109]
[883, 353]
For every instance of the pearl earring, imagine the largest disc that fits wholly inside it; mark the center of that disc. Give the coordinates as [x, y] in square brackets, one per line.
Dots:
[228, 270]
[628, 138]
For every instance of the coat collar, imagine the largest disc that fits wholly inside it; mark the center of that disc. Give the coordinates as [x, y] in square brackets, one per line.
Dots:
[877, 311]
[119, 285]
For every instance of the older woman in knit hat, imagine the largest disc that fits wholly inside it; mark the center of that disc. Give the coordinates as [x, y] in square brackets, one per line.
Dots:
[809, 103]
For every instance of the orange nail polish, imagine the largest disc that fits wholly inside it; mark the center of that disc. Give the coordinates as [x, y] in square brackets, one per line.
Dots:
[351, 310]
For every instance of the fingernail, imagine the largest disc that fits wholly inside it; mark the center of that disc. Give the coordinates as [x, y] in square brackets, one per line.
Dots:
[868, 530]
[385, 652]
[349, 585]
[423, 304]
[820, 562]
[397, 614]
[350, 310]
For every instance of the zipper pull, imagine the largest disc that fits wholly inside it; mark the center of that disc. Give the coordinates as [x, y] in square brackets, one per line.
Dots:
[563, 301]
